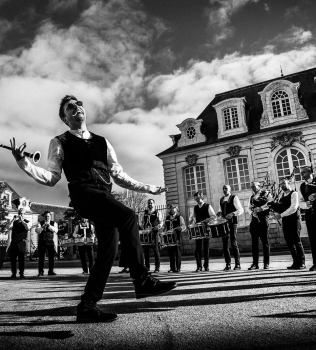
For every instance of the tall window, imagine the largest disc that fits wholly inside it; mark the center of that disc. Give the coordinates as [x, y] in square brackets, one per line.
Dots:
[280, 104]
[230, 118]
[287, 160]
[195, 180]
[237, 172]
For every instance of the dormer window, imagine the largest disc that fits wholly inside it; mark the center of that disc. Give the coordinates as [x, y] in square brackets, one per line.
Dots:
[231, 116]
[190, 132]
[280, 104]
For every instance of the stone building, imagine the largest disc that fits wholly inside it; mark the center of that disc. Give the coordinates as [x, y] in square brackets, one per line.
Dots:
[243, 135]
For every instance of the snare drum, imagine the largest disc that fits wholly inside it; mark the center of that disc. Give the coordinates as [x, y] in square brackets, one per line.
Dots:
[146, 237]
[168, 238]
[79, 241]
[219, 228]
[89, 241]
[197, 231]
[67, 242]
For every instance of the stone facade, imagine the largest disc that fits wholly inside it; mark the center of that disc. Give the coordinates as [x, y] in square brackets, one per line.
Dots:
[257, 149]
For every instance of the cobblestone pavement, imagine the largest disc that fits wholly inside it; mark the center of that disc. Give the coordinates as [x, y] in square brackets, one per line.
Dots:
[263, 309]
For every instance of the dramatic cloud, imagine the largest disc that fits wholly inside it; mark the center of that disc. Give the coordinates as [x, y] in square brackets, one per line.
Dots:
[294, 36]
[220, 13]
[101, 59]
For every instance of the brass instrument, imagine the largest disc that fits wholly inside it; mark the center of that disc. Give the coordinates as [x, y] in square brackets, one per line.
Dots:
[36, 156]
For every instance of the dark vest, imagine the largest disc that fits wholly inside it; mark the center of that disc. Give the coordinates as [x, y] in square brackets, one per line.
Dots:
[19, 233]
[85, 161]
[46, 235]
[151, 219]
[175, 222]
[307, 190]
[201, 213]
[285, 203]
[261, 200]
[88, 230]
[228, 207]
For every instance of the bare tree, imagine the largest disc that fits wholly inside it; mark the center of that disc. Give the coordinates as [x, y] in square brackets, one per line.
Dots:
[3, 209]
[134, 200]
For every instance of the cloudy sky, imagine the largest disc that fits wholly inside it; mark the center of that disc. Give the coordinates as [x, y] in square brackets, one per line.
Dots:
[140, 67]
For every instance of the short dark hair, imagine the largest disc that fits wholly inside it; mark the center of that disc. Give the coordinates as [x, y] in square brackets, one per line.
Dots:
[199, 193]
[46, 212]
[63, 101]
[151, 200]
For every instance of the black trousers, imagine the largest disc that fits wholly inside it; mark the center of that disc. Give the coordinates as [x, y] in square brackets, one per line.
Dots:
[260, 229]
[155, 249]
[16, 253]
[175, 257]
[292, 232]
[233, 241]
[198, 252]
[83, 250]
[108, 214]
[310, 218]
[42, 247]
[3, 250]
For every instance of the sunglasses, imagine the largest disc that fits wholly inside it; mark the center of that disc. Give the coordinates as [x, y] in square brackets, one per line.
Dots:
[72, 105]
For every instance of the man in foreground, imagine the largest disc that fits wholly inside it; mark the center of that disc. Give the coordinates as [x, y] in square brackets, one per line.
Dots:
[89, 161]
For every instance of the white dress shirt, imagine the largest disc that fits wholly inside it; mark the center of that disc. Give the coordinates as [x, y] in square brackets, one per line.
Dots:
[211, 212]
[294, 204]
[239, 209]
[52, 175]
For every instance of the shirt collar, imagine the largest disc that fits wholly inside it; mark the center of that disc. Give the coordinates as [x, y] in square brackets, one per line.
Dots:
[82, 134]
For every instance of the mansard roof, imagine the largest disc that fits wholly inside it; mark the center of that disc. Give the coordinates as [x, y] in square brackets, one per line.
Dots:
[254, 109]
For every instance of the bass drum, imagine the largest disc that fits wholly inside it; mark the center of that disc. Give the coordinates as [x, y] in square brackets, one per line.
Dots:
[168, 238]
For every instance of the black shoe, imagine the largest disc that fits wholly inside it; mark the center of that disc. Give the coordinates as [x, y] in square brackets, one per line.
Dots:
[123, 271]
[156, 270]
[172, 271]
[51, 273]
[22, 275]
[237, 267]
[151, 286]
[253, 267]
[300, 267]
[206, 269]
[313, 268]
[227, 267]
[292, 267]
[266, 266]
[89, 312]
[41, 274]
[198, 269]
[13, 275]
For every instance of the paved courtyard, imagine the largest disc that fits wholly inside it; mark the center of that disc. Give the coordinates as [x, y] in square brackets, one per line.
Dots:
[273, 309]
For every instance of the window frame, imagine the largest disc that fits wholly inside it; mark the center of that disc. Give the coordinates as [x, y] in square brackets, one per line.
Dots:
[238, 174]
[279, 103]
[232, 118]
[194, 167]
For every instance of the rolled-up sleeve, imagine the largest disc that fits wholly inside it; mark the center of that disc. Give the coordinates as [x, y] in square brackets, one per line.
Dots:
[121, 178]
[42, 176]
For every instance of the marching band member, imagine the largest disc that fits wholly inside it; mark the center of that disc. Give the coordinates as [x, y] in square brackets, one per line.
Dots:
[308, 190]
[85, 230]
[259, 225]
[47, 235]
[19, 229]
[89, 161]
[201, 212]
[229, 209]
[288, 210]
[152, 219]
[176, 222]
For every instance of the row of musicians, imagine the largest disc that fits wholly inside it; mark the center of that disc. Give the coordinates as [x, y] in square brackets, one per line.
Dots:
[287, 210]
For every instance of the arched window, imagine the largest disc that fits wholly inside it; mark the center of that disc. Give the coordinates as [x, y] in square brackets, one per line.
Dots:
[230, 118]
[280, 104]
[195, 180]
[287, 160]
[237, 172]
